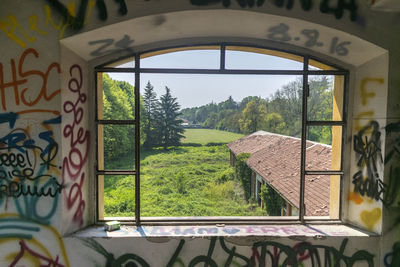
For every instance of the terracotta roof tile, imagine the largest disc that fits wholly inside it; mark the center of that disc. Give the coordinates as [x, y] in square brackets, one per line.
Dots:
[276, 158]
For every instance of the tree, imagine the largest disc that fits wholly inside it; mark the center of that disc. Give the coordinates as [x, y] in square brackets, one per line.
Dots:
[253, 116]
[149, 121]
[116, 105]
[274, 123]
[169, 126]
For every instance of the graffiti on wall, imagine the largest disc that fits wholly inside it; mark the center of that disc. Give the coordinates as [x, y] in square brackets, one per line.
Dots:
[77, 21]
[368, 178]
[109, 45]
[367, 146]
[28, 98]
[25, 31]
[24, 242]
[265, 253]
[73, 171]
[309, 38]
[337, 8]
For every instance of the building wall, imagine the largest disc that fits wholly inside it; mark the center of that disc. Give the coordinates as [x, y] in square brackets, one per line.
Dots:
[48, 50]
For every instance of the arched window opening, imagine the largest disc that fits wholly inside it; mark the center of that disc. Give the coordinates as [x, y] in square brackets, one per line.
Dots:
[219, 133]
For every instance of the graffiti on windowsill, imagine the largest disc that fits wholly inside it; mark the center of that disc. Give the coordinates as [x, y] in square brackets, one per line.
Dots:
[268, 253]
[325, 6]
[392, 258]
[309, 38]
[108, 46]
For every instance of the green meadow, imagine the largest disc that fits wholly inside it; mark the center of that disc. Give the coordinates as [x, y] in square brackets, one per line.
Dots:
[205, 136]
[194, 179]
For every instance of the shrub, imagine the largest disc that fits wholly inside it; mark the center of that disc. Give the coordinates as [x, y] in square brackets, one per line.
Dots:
[226, 175]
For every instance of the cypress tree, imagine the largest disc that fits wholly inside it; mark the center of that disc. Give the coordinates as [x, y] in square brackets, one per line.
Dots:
[149, 115]
[169, 126]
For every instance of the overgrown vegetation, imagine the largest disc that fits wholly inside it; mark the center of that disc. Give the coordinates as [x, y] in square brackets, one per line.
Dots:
[272, 200]
[243, 173]
[183, 181]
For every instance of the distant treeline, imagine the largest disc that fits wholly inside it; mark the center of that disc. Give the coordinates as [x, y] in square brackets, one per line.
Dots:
[280, 113]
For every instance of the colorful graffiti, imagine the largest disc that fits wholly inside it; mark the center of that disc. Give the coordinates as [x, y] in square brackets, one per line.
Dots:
[28, 167]
[307, 5]
[73, 173]
[24, 32]
[239, 230]
[26, 98]
[32, 238]
[265, 253]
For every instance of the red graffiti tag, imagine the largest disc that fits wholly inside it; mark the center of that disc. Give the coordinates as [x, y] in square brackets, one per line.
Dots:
[44, 261]
[79, 140]
[21, 76]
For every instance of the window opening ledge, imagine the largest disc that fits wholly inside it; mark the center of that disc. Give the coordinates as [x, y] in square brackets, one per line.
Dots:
[316, 231]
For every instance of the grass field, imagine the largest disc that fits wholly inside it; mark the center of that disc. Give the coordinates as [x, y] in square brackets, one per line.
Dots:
[182, 181]
[204, 136]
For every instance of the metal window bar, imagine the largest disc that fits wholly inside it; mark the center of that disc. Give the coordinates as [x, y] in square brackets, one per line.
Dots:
[137, 139]
[137, 70]
[303, 140]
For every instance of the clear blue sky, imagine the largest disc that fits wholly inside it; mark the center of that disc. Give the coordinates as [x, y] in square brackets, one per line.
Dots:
[199, 89]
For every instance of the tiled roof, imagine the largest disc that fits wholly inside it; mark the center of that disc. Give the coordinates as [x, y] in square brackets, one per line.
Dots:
[276, 158]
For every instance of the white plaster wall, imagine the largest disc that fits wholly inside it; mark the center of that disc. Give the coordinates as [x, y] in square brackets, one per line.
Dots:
[31, 230]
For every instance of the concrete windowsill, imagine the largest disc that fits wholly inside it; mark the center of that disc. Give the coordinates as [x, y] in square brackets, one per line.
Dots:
[294, 230]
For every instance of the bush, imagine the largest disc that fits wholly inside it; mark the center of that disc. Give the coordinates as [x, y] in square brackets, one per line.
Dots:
[226, 175]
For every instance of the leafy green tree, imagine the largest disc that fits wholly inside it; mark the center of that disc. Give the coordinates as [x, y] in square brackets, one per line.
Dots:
[253, 116]
[169, 126]
[274, 123]
[116, 105]
[149, 120]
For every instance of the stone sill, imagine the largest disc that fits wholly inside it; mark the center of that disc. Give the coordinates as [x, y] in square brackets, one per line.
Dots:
[317, 231]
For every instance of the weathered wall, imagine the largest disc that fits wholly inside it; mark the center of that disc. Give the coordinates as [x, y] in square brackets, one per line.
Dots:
[47, 139]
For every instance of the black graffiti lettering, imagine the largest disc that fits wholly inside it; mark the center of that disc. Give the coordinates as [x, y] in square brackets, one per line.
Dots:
[279, 33]
[12, 160]
[373, 188]
[16, 189]
[312, 36]
[105, 48]
[340, 7]
[101, 50]
[124, 43]
[123, 10]
[368, 150]
[268, 253]
[102, 9]
[305, 4]
[227, 3]
[77, 21]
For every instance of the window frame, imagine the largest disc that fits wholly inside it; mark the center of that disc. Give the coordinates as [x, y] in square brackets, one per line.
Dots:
[305, 73]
